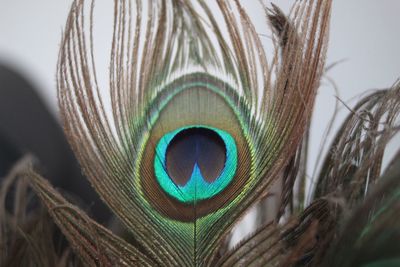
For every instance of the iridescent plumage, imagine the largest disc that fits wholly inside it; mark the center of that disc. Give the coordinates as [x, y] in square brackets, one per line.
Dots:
[173, 67]
[197, 128]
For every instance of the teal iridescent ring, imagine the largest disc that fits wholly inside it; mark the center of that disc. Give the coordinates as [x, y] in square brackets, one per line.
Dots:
[196, 188]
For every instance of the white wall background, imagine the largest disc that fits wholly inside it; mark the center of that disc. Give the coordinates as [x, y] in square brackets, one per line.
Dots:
[364, 33]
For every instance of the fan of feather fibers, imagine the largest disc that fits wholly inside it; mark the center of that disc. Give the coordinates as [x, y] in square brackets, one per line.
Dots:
[201, 125]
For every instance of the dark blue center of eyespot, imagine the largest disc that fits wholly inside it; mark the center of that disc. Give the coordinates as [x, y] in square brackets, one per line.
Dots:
[195, 163]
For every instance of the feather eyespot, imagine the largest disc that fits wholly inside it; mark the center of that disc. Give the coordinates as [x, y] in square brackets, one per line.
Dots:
[195, 111]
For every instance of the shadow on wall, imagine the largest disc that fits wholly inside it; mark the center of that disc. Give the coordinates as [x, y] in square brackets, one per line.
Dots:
[26, 126]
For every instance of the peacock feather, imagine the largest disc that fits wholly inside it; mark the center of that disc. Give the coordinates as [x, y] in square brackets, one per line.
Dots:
[201, 121]
[201, 126]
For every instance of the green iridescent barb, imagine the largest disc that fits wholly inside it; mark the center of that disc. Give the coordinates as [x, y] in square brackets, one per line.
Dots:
[196, 188]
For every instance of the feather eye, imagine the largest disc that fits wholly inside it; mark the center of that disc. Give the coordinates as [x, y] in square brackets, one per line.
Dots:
[201, 122]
